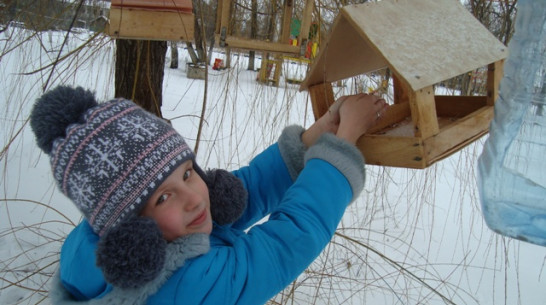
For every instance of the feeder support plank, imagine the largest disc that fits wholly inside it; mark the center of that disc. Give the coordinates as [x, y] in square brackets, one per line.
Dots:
[495, 72]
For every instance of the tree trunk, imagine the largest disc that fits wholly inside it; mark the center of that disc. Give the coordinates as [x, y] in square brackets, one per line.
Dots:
[139, 72]
[253, 32]
[174, 55]
[191, 52]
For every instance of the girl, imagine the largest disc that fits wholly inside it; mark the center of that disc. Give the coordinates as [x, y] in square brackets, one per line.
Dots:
[159, 230]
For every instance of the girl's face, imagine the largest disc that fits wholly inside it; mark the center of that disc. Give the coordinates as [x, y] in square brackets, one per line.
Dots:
[180, 205]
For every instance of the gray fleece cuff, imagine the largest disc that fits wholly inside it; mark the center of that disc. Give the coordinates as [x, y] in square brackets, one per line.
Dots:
[292, 149]
[342, 155]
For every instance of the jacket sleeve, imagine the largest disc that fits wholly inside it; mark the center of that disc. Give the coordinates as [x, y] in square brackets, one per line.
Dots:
[271, 255]
[270, 174]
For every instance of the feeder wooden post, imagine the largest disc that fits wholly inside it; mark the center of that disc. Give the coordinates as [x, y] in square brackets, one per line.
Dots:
[423, 112]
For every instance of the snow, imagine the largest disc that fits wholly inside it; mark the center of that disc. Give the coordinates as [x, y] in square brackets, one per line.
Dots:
[413, 236]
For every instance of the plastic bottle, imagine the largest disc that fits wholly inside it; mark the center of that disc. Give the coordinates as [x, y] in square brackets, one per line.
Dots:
[512, 167]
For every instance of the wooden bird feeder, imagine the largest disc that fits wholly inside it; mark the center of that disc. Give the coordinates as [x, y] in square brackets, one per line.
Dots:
[171, 20]
[423, 42]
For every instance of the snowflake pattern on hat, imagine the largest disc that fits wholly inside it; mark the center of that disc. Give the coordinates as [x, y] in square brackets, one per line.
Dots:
[110, 163]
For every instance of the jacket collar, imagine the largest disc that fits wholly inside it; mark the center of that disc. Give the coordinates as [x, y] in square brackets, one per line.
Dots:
[178, 252]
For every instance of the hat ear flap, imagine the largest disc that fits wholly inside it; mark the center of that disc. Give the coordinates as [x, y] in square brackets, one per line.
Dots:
[227, 194]
[132, 253]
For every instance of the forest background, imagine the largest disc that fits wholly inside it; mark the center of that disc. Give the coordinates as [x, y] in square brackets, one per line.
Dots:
[414, 236]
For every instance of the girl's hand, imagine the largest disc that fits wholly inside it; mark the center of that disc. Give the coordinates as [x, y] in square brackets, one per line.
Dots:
[329, 122]
[357, 114]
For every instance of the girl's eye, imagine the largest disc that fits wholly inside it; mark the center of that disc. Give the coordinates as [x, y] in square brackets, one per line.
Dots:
[187, 174]
[161, 199]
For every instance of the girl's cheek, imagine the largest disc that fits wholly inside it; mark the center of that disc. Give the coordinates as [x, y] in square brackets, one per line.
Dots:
[171, 224]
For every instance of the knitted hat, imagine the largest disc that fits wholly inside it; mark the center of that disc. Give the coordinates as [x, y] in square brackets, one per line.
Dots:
[108, 159]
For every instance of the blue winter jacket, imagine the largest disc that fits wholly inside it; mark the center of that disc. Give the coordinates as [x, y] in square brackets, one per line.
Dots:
[304, 192]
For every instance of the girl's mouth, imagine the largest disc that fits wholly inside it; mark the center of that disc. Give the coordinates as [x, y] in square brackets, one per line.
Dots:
[199, 219]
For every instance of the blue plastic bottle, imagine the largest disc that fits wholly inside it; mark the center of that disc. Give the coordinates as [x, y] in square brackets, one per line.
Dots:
[512, 167]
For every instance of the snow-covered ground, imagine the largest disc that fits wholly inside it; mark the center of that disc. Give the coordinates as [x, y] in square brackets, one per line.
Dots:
[413, 236]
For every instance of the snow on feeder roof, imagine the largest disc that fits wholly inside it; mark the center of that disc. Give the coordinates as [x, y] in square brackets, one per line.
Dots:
[171, 20]
[423, 42]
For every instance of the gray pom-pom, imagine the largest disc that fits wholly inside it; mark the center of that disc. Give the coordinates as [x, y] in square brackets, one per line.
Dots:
[132, 253]
[54, 111]
[227, 194]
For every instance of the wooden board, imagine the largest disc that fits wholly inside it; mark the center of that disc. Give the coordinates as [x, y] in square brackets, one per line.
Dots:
[459, 134]
[423, 41]
[392, 151]
[258, 45]
[150, 25]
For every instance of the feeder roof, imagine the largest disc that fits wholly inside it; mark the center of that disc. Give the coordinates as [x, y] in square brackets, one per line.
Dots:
[422, 41]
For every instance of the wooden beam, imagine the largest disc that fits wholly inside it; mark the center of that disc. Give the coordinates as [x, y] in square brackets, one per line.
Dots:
[322, 97]
[286, 21]
[218, 18]
[495, 72]
[423, 112]
[261, 46]
[224, 22]
[306, 23]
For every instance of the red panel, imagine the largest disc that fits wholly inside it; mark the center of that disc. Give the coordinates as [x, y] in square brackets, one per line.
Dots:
[183, 6]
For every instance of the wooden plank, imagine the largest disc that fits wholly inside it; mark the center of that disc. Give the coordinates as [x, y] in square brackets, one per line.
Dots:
[322, 97]
[495, 72]
[456, 106]
[392, 151]
[150, 25]
[458, 135]
[261, 46]
[423, 112]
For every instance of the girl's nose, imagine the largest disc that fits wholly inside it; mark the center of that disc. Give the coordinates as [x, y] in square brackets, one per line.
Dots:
[192, 199]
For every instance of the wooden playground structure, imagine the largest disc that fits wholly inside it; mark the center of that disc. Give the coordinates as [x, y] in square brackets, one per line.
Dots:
[173, 20]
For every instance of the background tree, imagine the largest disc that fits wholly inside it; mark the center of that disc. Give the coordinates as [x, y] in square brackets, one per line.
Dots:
[204, 25]
[139, 72]
[253, 32]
